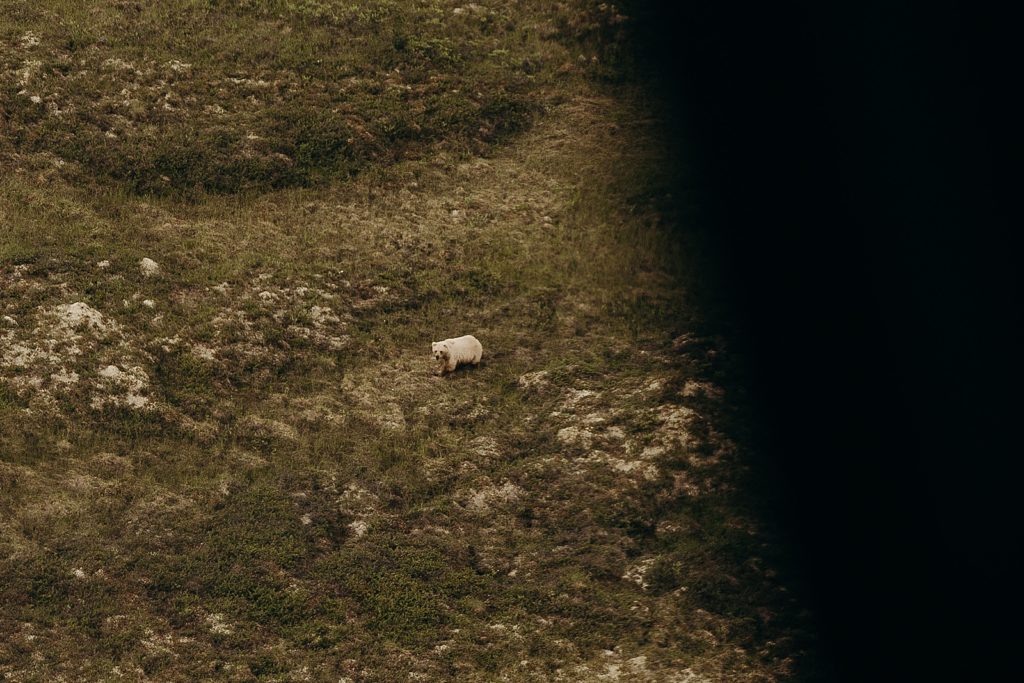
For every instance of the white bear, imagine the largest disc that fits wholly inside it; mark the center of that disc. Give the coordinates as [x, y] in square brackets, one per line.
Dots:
[451, 353]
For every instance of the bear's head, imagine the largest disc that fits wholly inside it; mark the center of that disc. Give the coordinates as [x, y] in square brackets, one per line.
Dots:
[441, 351]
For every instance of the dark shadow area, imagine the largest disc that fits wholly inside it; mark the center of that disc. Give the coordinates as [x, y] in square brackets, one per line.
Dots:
[850, 164]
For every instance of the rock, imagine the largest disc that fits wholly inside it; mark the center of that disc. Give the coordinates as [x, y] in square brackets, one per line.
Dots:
[78, 315]
[110, 372]
[149, 267]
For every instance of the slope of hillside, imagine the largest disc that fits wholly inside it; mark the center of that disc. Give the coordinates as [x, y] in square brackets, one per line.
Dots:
[189, 96]
[232, 461]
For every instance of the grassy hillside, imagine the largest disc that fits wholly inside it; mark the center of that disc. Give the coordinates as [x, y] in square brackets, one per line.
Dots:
[236, 464]
[233, 95]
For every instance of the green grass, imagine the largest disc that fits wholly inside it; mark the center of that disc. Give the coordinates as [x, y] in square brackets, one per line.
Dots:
[300, 499]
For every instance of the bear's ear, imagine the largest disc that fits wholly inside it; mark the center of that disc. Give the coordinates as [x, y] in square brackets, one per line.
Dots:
[433, 346]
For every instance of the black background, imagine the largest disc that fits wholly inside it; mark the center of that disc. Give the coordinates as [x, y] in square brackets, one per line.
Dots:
[854, 165]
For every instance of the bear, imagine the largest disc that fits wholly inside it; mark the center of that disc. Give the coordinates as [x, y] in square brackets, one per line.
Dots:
[451, 353]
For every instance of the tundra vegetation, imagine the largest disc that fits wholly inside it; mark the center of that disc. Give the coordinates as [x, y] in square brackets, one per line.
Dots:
[229, 230]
